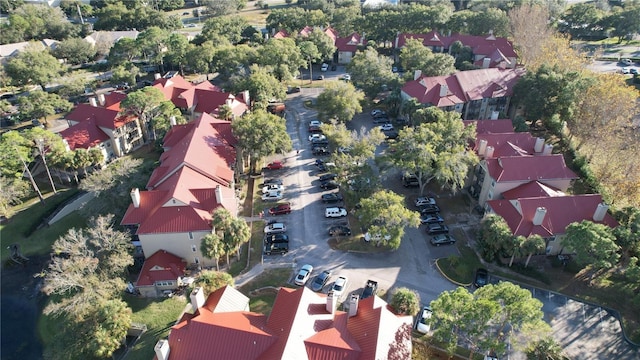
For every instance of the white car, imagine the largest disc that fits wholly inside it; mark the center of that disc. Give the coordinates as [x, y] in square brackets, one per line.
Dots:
[626, 70]
[423, 200]
[271, 188]
[303, 275]
[315, 123]
[339, 286]
[324, 67]
[386, 127]
[422, 323]
[376, 237]
[317, 137]
[272, 196]
[346, 77]
[275, 228]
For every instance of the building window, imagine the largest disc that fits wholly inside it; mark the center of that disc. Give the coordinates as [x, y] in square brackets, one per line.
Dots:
[190, 235]
[490, 195]
[493, 183]
[193, 248]
[196, 260]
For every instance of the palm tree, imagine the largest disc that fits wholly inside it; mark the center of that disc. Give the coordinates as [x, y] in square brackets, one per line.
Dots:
[212, 247]
[221, 220]
[240, 234]
[225, 112]
[515, 245]
[534, 244]
[545, 349]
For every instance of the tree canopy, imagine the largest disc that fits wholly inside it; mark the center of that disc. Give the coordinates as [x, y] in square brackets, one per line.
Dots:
[340, 101]
[283, 57]
[384, 216]
[405, 301]
[370, 71]
[594, 244]
[33, 66]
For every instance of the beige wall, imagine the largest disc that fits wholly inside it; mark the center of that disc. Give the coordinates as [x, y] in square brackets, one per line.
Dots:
[178, 244]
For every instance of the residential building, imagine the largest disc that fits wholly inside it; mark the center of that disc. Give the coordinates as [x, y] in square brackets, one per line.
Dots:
[475, 94]
[195, 177]
[161, 273]
[8, 51]
[346, 47]
[302, 325]
[100, 124]
[106, 39]
[487, 51]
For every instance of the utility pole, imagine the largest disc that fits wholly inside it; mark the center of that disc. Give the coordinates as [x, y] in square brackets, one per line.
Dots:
[80, 13]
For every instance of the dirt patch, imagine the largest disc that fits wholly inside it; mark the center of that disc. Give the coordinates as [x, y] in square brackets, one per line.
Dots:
[268, 290]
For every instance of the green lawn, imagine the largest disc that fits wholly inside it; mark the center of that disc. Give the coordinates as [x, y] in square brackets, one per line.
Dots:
[159, 315]
[263, 302]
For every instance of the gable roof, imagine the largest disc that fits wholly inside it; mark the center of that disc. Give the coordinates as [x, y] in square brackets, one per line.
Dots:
[507, 144]
[560, 212]
[483, 45]
[161, 266]
[8, 50]
[83, 135]
[491, 126]
[349, 43]
[431, 39]
[299, 327]
[226, 299]
[104, 117]
[530, 190]
[529, 168]
[439, 91]
[110, 37]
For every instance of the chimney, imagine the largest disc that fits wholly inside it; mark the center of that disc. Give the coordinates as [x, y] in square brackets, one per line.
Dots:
[162, 349]
[135, 197]
[157, 76]
[539, 144]
[486, 62]
[228, 102]
[197, 298]
[246, 97]
[172, 121]
[417, 74]
[600, 212]
[539, 216]
[332, 303]
[494, 115]
[482, 146]
[548, 148]
[353, 305]
[93, 101]
[218, 194]
[444, 90]
[101, 99]
[489, 153]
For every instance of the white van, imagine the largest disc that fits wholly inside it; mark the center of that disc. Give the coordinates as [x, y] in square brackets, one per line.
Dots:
[334, 212]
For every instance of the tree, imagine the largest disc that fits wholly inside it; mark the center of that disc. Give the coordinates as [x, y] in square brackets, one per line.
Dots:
[628, 232]
[290, 19]
[344, 19]
[594, 244]
[489, 20]
[413, 55]
[176, 55]
[436, 151]
[12, 191]
[123, 51]
[385, 217]
[146, 105]
[45, 142]
[225, 27]
[125, 73]
[439, 64]
[109, 324]
[212, 247]
[33, 66]
[545, 349]
[161, 123]
[218, 8]
[493, 235]
[405, 301]
[580, 20]
[87, 266]
[262, 85]
[211, 281]
[282, 56]
[514, 246]
[152, 43]
[15, 155]
[533, 244]
[40, 104]
[623, 24]
[340, 101]
[369, 71]
[529, 27]
[323, 43]
[233, 232]
[74, 50]
[199, 58]
[228, 59]
[34, 22]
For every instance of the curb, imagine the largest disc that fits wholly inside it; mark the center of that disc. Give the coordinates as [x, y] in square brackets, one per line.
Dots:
[448, 278]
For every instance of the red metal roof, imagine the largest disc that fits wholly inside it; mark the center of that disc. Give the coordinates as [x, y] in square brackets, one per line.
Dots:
[523, 168]
[482, 45]
[491, 126]
[161, 266]
[431, 39]
[488, 83]
[84, 134]
[508, 144]
[561, 211]
[299, 327]
[102, 117]
[530, 190]
[349, 43]
[427, 90]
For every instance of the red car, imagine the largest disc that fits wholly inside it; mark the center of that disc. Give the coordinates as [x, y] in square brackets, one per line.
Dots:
[281, 209]
[275, 165]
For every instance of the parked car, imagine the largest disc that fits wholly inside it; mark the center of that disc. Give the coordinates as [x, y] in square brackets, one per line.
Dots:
[370, 289]
[329, 185]
[339, 230]
[272, 181]
[320, 142]
[275, 165]
[276, 238]
[386, 127]
[320, 77]
[482, 278]
[293, 89]
[272, 196]
[339, 286]
[303, 275]
[320, 151]
[315, 129]
[276, 248]
[437, 228]
[442, 239]
[331, 198]
[272, 188]
[346, 77]
[422, 322]
[315, 123]
[410, 180]
[423, 200]
[324, 67]
[335, 212]
[378, 113]
[326, 166]
[429, 209]
[330, 176]
[375, 237]
[334, 67]
[320, 281]
[381, 120]
[275, 228]
[626, 62]
[280, 209]
[317, 137]
[431, 218]
[391, 135]
[633, 71]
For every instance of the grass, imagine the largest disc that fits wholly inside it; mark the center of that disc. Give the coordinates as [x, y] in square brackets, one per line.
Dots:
[159, 315]
[255, 248]
[262, 302]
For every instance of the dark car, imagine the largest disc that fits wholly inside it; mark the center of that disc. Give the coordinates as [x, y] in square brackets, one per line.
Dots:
[319, 142]
[292, 90]
[272, 181]
[437, 228]
[280, 209]
[391, 135]
[442, 239]
[429, 209]
[320, 281]
[326, 177]
[410, 180]
[381, 120]
[370, 289]
[320, 151]
[482, 278]
[315, 129]
[276, 248]
[276, 238]
[339, 230]
[431, 218]
[334, 67]
[331, 198]
[320, 77]
[329, 185]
